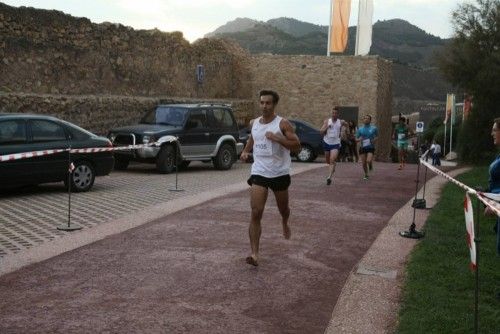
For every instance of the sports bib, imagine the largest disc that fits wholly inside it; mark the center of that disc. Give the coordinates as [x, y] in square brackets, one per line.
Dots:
[366, 142]
[263, 147]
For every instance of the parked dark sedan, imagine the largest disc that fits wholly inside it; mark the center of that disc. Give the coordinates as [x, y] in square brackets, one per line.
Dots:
[311, 140]
[28, 133]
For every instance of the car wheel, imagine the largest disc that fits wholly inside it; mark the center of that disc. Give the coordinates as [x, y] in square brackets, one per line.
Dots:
[306, 154]
[225, 157]
[83, 177]
[165, 162]
[121, 163]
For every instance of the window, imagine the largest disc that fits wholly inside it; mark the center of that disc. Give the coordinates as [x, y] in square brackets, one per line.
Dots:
[197, 119]
[12, 132]
[168, 116]
[42, 131]
[223, 118]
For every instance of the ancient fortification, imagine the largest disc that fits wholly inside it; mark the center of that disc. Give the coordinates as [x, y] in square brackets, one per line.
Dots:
[105, 75]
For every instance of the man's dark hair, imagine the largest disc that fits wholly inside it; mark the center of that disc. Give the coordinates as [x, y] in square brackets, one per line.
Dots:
[275, 95]
[402, 119]
[370, 116]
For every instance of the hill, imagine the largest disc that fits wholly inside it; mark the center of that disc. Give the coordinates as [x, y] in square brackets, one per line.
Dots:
[415, 76]
[394, 39]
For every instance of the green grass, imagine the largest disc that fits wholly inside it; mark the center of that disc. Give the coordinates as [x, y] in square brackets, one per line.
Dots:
[438, 296]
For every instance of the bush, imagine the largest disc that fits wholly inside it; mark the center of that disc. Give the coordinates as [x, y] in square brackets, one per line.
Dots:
[474, 141]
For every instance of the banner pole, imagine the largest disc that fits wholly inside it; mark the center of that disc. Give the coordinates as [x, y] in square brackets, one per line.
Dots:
[412, 233]
[477, 241]
[176, 170]
[329, 30]
[70, 227]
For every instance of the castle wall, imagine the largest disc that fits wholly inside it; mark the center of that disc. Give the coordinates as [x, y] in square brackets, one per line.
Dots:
[101, 76]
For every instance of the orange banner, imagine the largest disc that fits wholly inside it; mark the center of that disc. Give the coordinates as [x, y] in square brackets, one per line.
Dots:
[341, 11]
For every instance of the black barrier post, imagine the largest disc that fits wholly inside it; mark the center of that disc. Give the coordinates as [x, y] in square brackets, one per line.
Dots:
[70, 227]
[176, 170]
[412, 232]
[421, 203]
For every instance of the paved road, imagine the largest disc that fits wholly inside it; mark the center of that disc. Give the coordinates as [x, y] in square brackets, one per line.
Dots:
[185, 272]
[30, 217]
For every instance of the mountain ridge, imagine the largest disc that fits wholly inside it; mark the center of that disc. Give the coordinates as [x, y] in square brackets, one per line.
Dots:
[415, 75]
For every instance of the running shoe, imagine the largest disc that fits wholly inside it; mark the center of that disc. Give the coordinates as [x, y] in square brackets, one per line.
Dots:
[365, 177]
[328, 181]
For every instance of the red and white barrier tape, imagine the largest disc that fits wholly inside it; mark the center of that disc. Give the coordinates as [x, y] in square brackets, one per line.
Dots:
[26, 155]
[483, 197]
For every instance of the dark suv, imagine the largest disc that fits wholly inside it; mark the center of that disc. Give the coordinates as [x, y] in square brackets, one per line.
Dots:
[184, 133]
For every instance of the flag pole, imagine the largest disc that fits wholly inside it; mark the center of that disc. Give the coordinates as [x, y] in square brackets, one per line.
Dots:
[356, 48]
[452, 119]
[329, 30]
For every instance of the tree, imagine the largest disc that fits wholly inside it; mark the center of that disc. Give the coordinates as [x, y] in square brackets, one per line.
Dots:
[471, 61]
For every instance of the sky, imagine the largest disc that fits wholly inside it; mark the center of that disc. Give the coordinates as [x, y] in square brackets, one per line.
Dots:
[195, 18]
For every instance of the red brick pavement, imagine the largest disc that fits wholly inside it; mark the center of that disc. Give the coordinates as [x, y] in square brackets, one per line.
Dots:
[186, 273]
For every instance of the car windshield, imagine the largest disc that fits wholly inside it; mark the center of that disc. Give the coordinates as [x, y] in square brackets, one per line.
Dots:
[166, 116]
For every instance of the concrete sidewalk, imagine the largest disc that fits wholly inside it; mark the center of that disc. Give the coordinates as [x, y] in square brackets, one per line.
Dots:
[185, 272]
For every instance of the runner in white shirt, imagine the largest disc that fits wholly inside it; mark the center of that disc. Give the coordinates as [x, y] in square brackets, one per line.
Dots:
[331, 131]
[272, 139]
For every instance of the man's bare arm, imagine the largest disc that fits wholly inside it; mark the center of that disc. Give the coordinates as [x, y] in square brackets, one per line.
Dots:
[249, 146]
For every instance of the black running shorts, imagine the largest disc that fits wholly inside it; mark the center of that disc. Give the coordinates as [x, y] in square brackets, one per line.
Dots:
[279, 183]
[366, 150]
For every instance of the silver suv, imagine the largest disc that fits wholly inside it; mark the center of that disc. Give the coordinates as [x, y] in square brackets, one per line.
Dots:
[183, 133]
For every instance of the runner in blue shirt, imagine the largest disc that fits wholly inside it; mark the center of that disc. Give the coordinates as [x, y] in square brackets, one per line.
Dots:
[367, 136]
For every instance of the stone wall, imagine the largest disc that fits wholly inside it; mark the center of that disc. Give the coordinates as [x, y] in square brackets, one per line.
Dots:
[310, 85]
[104, 75]
[101, 113]
[45, 51]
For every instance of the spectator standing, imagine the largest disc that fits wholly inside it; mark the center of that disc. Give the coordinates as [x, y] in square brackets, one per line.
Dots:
[436, 153]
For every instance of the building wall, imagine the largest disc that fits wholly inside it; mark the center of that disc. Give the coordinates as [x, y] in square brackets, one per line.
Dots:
[45, 51]
[310, 85]
[105, 75]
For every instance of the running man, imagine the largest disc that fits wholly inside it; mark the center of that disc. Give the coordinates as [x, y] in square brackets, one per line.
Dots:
[272, 138]
[331, 131]
[367, 136]
[400, 134]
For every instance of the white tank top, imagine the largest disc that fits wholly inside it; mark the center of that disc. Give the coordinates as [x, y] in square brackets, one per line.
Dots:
[332, 135]
[270, 159]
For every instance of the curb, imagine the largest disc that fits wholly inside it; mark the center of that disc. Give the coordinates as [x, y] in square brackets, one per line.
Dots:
[370, 299]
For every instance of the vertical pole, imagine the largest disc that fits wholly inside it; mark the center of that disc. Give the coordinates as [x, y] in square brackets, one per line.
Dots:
[477, 241]
[425, 180]
[70, 173]
[176, 169]
[329, 29]
[444, 141]
[356, 52]
[412, 232]
[451, 135]
[69, 227]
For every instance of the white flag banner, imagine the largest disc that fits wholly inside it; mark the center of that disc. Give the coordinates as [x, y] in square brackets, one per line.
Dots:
[469, 224]
[364, 29]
